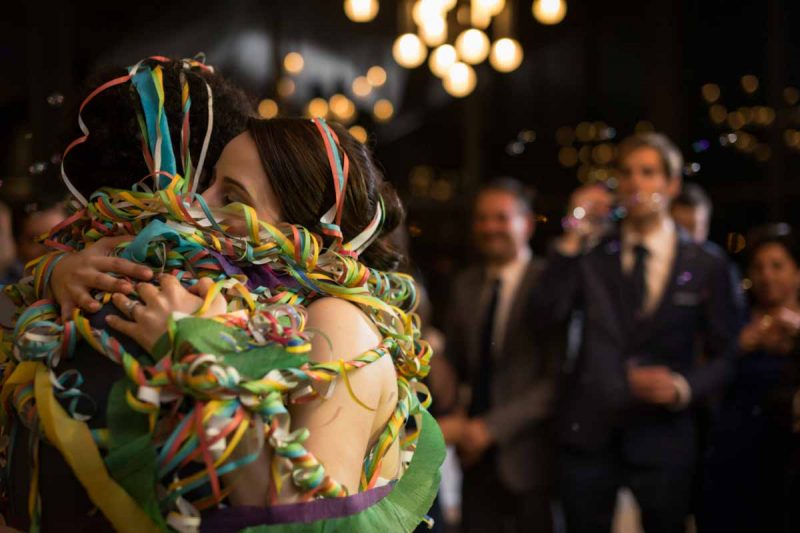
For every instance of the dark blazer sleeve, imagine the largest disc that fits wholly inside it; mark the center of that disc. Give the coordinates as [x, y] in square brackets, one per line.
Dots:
[534, 406]
[722, 322]
[557, 292]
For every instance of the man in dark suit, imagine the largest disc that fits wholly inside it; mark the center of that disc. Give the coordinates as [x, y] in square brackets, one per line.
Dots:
[652, 303]
[503, 437]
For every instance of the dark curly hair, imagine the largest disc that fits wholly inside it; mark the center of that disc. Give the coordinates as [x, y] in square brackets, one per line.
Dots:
[296, 163]
[781, 234]
[112, 155]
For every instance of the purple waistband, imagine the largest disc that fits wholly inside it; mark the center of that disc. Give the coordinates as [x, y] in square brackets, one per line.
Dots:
[236, 518]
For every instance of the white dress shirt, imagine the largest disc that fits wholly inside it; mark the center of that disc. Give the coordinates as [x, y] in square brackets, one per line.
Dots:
[510, 276]
[661, 245]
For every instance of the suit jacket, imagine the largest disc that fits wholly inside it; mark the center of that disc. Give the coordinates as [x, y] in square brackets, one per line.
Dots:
[697, 316]
[522, 382]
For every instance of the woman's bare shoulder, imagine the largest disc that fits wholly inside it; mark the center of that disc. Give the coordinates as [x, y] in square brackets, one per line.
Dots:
[341, 330]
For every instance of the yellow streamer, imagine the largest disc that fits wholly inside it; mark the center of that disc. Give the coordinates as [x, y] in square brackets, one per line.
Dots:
[74, 440]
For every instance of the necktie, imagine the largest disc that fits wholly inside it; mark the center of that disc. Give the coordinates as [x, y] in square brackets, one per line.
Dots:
[481, 390]
[638, 281]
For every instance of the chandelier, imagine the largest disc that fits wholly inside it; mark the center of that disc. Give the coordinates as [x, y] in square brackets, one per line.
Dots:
[451, 57]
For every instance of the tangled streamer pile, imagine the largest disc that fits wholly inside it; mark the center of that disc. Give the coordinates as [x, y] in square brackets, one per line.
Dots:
[180, 414]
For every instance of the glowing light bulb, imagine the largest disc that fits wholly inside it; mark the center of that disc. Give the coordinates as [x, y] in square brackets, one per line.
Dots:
[506, 55]
[549, 11]
[361, 10]
[442, 58]
[426, 10]
[472, 46]
[460, 80]
[434, 31]
[493, 7]
[409, 51]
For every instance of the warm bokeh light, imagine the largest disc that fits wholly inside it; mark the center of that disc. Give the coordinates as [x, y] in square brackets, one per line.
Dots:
[293, 63]
[376, 76]
[268, 108]
[568, 156]
[603, 153]
[425, 11]
[710, 92]
[460, 80]
[286, 87]
[479, 16]
[318, 107]
[585, 131]
[361, 10]
[718, 113]
[383, 110]
[361, 87]
[549, 11]
[736, 120]
[791, 95]
[342, 107]
[442, 58]
[472, 46]
[359, 133]
[506, 55]
[749, 83]
[493, 7]
[409, 51]
[434, 31]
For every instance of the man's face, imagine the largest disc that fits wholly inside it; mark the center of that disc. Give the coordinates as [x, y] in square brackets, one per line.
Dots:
[645, 189]
[501, 226]
[694, 220]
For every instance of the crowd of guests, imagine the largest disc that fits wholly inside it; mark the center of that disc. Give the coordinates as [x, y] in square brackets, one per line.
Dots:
[628, 357]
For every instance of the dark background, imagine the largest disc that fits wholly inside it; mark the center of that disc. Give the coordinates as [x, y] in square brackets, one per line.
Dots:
[621, 62]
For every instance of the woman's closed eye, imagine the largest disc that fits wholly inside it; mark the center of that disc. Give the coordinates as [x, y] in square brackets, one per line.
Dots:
[233, 191]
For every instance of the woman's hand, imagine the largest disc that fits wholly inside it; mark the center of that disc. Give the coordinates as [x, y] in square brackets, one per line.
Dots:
[773, 333]
[148, 317]
[78, 273]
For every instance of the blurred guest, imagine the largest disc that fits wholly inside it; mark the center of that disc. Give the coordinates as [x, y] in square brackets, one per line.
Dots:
[691, 210]
[647, 294]
[746, 481]
[503, 435]
[32, 220]
[8, 252]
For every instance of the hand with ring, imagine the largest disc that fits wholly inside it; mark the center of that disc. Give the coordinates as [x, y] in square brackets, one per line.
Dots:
[148, 316]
